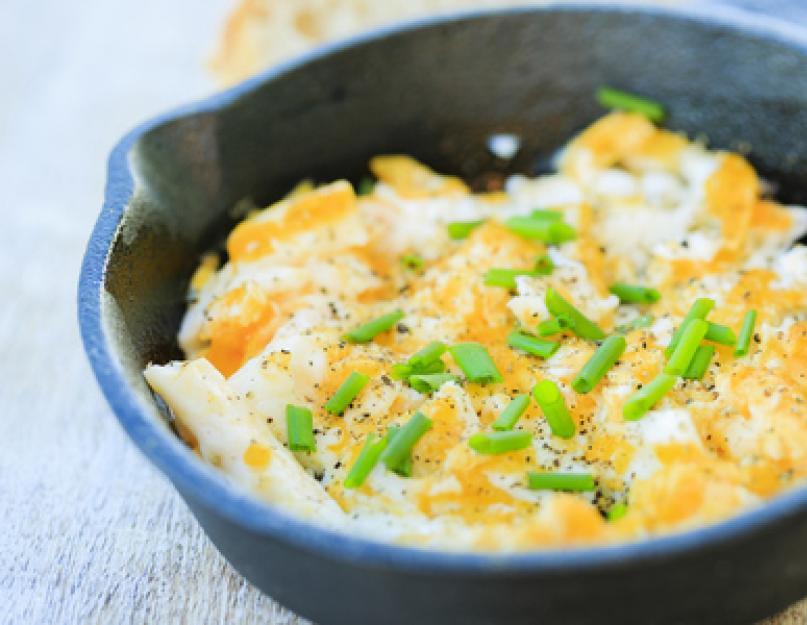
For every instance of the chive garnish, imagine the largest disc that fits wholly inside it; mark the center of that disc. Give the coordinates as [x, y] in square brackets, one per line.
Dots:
[475, 362]
[720, 334]
[368, 458]
[699, 310]
[405, 467]
[428, 382]
[700, 361]
[346, 392]
[540, 229]
[546, 480]
[366, 186]
[403, 371]
[550, 399]
[640, 322]
[632, 294]
[428, 355]
[647, 397]
[617, 511]
[581, 325]
[425, 362]
[746, 333]
[611, 98]
[461, 229]
[367, 332]
[400, 371]
[300, 428]
[512, 413]
[494, 443]
[599, 363]
[506, 278]
[544, 265]
[532, 345]
[413, 262]
[400, 445]
[688, 344]
[548, 327]
[548, 215]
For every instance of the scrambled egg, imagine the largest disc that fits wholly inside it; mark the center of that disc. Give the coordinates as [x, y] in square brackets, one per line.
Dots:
[649, 207]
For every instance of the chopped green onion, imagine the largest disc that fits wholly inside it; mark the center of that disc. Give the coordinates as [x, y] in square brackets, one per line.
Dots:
[461, 229]
[581, 325]
[475, 362]
[700, 361]
[612, 98]
[617, 511]
[428, 382]
[300, 428]
[400, 371]
[688, 344]
[746, 332]
[544, 265]
[720, 334]
[346, 393]
[647, 397]
[428, 355]
[699, 310]
[400, 445]
[577, 482]
[438, 366]
[548, 327]
[599, 363]
[640, 322]
[368, 458]
[632, 294]
[405, 467]
[494, 443]
[404, 371]
[413, 262]
[550, 399]
[366, 186]
[553, 232]
[510, 415]
[532, 345]
[547, 215]
[367, 332]
[506, 278]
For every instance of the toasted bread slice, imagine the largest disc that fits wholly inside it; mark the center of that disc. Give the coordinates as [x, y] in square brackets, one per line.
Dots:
[260, 33]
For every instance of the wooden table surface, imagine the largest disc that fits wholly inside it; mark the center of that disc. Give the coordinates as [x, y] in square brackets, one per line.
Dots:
[89, 532]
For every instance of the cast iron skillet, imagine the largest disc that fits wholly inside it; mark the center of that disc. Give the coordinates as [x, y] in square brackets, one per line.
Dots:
[437, 89]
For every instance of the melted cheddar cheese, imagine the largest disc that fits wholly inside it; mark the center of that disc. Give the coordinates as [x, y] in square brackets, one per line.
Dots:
[649, 207]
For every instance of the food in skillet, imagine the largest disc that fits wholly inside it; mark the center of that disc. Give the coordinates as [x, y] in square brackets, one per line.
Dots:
[613, 351]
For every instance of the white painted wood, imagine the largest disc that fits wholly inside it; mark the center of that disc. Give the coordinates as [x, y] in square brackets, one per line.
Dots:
[89, 532]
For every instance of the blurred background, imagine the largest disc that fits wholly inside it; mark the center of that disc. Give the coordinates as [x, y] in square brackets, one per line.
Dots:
[89, 532]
